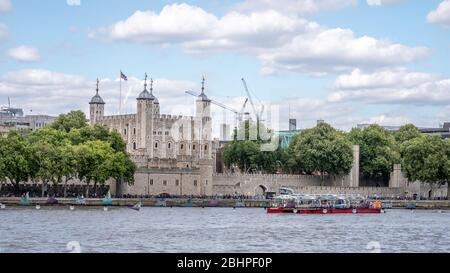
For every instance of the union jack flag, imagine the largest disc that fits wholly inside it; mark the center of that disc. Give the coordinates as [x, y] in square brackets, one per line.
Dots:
[123, 76]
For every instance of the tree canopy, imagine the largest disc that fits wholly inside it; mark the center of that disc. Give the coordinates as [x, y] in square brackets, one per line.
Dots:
[250, 149]
[406, 132]
[321, 149]
[426, 158]
[69, 121]
[378, 150]
[66, 149]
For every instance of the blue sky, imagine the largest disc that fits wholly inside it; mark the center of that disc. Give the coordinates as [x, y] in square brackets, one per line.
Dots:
[345, 61]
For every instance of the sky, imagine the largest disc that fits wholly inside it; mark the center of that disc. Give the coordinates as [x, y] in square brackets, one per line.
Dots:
[344, 61]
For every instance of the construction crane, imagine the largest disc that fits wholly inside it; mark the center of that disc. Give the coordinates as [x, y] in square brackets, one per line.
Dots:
[259, 114]
[238, 114]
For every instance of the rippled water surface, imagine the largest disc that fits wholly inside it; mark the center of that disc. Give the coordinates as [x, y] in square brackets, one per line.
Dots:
[220, 230]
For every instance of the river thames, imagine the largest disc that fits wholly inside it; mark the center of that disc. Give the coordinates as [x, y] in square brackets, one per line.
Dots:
[219, 230]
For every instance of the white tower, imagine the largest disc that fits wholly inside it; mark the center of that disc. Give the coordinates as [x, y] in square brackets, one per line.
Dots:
[147, 107]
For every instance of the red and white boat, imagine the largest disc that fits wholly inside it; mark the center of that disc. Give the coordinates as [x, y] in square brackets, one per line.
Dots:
[323, 204]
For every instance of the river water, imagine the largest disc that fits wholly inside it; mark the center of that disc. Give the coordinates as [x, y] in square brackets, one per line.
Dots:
[219, 230]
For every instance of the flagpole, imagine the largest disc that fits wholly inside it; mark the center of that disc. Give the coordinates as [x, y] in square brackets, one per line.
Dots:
[120, 99]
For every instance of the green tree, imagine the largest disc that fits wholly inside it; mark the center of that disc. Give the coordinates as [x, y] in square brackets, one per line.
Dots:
[406, 132]
[427, 159]
[45, 159]
[321, 149]
[243, 154]
[250, 149]
[94, 162]
[69, 121]
[378, 150]
[2, 163]
[16, 159]
[122, 168]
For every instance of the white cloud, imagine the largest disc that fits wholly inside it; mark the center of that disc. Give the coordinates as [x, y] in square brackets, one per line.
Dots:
[441, 15]
[280, 41]
[49, 92]
[337, 50]
[73, 2]
[4, 34]
[198, 30]
[294, 6]
[389, 120]
[25, 54]
[392, 87]
[5, 6]
[382, 2]
[382, 79]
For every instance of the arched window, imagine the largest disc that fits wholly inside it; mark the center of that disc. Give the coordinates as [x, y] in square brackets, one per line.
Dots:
[193, 147]
[156, 145]
[182, 146]
[134, 131]
[134, 145]
[206, 147]
[169, 145]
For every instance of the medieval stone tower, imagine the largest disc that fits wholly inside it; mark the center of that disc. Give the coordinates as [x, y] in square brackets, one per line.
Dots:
[97, 107]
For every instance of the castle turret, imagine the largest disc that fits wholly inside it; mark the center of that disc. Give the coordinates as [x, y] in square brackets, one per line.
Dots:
[97, 107]
[147, 108]
[204, 127]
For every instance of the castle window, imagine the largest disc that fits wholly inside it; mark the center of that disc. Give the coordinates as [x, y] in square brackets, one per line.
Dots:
[156, 145]
[177, 182]
[159, 133]
[134, 145]
[134, 131]
[193, 147]
[125, 131]
[154, 132]
[165, 183]
[206, 147]
[206, 182]
[151, 182]
[182, 146]
[169, 145]
[195, 183]
[167, 133]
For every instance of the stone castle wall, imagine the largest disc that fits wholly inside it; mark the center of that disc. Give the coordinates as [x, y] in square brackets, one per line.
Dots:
[256, 184]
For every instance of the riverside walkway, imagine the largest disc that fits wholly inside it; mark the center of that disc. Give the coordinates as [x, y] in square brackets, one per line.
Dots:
[206, 202]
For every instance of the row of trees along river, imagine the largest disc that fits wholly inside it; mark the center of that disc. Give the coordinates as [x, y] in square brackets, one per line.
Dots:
[325, 151]
[67, 149]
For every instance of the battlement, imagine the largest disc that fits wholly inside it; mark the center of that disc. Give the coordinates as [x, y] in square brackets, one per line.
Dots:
[267, 176]
[117, 117]
[164, 117]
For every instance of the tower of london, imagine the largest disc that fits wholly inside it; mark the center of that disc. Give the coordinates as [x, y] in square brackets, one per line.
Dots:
[175, 154]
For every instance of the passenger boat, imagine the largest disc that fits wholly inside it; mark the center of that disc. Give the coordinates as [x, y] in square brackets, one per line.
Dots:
[323, 204]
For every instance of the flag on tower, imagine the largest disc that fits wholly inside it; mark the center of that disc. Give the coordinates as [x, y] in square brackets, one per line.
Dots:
[123, 76]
